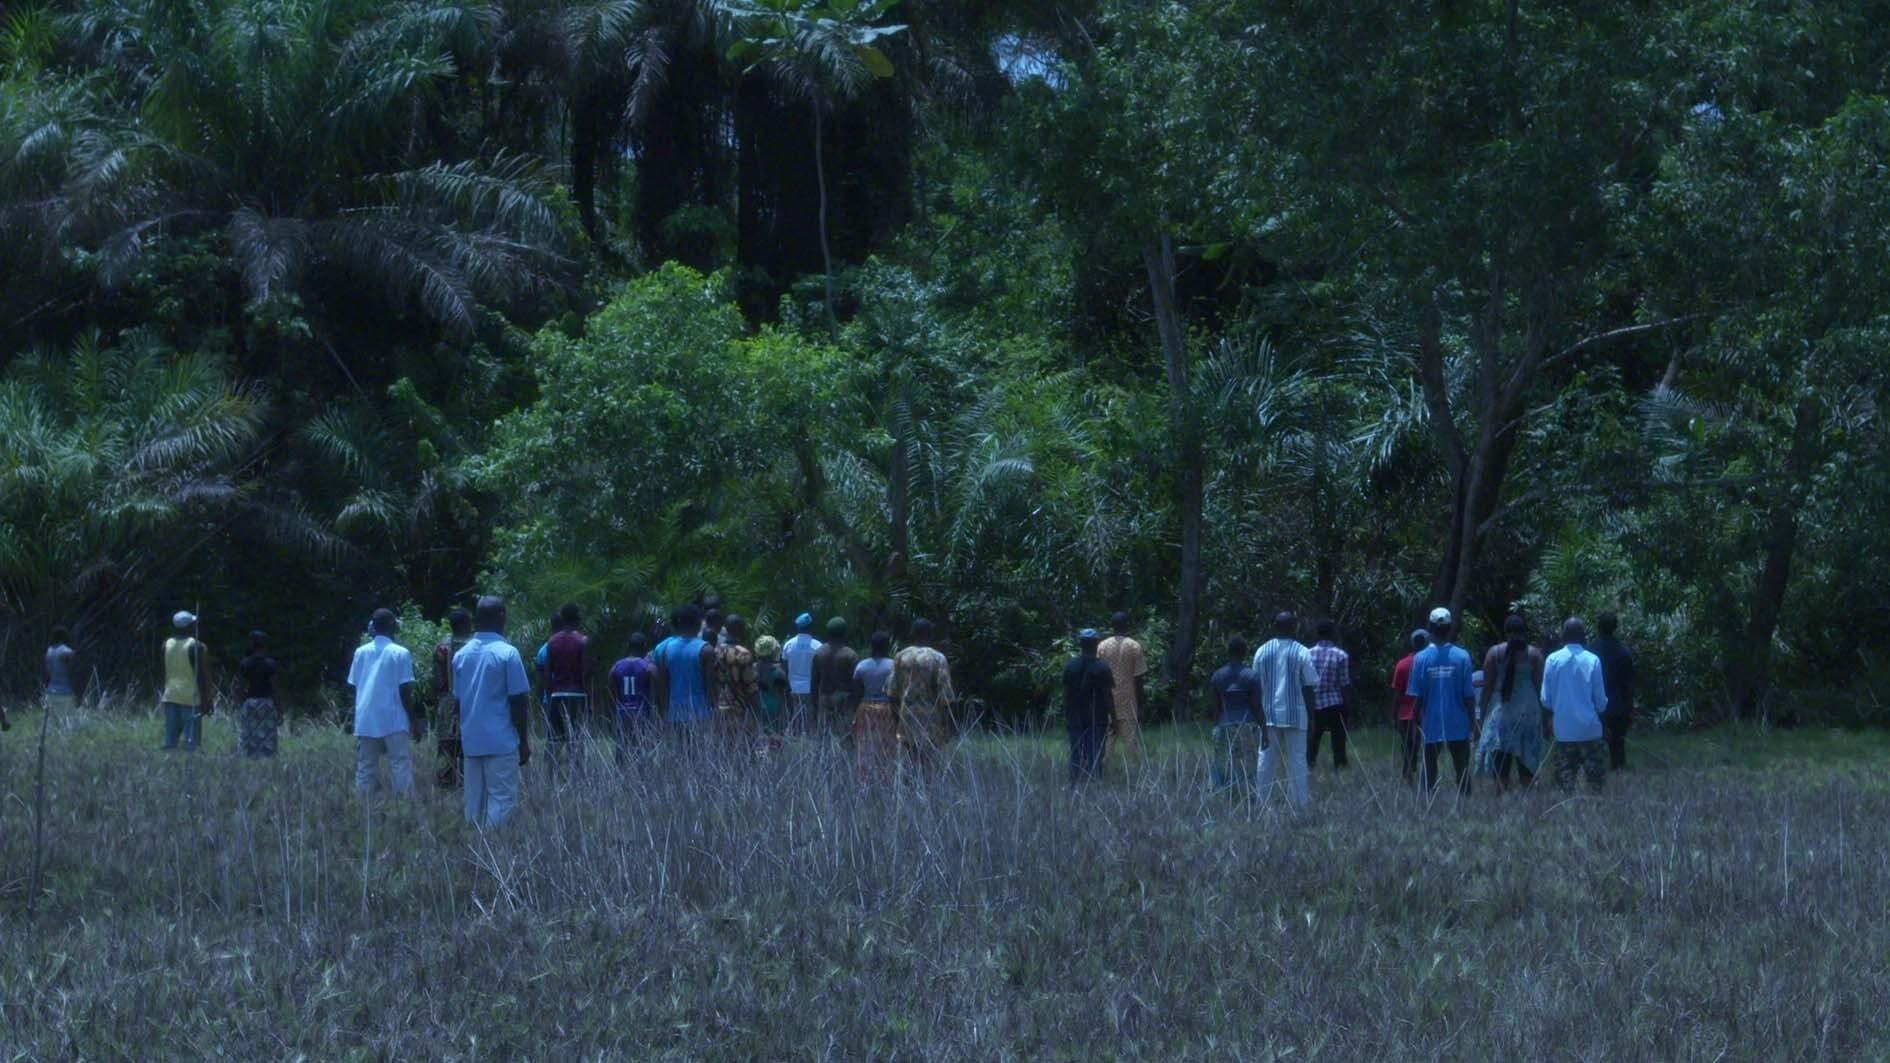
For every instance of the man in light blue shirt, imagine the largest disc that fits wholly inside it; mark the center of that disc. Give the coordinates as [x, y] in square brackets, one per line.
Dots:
[494, 702]
[798, 654]
[386, 723]
[1573, 699]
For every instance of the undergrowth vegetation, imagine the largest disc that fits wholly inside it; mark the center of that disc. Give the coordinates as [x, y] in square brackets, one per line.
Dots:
[1725, 899]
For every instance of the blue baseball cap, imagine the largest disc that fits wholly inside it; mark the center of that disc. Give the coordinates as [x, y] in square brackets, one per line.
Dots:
[804, 621]
[1088, 634]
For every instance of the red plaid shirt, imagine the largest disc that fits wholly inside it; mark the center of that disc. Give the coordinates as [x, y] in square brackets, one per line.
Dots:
[1335, 674]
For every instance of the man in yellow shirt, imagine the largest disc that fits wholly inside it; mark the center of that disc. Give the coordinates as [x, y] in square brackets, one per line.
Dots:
[186, 684]
[1129, 665]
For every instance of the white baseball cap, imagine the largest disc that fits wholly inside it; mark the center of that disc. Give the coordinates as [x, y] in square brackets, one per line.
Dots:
[183, 618]
[1440, 617]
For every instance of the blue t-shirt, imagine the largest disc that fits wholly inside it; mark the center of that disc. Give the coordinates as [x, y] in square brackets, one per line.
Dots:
[688, 694]
[1440, 680]
[487, 674]
[873, 675]
[1235, 684]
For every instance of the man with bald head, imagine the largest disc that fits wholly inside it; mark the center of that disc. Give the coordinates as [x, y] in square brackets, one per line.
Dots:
[494, 704]
[1574, 698]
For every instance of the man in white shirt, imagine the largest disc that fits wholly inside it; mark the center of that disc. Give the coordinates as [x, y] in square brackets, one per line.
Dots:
[1573, 700]
[798, 654]
[1284, 674]
[385, 723]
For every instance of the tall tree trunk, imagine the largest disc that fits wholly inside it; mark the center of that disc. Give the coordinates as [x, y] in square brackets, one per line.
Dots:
[1751, 662]
[826, 247]
[1158, 258]
[585, 143]
[899, 489]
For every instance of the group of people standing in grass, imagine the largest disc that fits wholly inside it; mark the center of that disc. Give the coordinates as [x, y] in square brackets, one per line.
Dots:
[704, 681]
[1273, 711]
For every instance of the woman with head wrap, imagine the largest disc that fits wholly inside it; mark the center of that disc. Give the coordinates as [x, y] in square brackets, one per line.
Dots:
[771, 684]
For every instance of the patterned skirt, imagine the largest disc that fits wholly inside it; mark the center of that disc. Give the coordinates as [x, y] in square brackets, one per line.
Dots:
[875, 739]
[256, 727]
[1515, 730]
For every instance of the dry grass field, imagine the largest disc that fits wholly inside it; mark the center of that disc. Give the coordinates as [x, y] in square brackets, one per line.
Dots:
[1726, 900]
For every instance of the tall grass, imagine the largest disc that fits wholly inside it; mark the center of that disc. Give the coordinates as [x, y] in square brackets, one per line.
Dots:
[1730, 903]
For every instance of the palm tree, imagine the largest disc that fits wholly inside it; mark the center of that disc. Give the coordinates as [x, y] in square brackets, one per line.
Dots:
[117, 464]
[821, 51]
[307, 135]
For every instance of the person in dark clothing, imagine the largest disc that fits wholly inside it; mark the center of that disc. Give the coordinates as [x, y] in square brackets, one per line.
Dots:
[1237, 731]
[834, 663]
[1088, 701]
[1617, 678]
[260, 717]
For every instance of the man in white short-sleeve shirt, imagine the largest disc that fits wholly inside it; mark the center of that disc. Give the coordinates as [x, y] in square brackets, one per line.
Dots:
[385, 724]
[1285, 678]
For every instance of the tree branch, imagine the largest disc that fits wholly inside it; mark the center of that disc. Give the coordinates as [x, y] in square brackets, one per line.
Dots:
[1614, 334]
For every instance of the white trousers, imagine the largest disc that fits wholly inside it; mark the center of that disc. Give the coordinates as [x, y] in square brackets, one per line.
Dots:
[1290, 743]
[397, 748]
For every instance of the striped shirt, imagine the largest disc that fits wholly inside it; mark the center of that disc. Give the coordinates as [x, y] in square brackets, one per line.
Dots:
[1283, 668]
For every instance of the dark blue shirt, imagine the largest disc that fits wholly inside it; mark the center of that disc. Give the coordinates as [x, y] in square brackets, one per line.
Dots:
[1087, 701]
[1617, 674]
[1235, 684]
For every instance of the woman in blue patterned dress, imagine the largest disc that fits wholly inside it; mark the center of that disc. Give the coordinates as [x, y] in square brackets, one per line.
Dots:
[1511, 708]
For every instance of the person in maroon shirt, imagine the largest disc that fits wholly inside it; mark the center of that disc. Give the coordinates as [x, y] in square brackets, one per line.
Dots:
[567, 672]
[1405, 706]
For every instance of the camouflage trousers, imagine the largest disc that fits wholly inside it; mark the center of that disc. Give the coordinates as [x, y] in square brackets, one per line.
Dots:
[1591, 758]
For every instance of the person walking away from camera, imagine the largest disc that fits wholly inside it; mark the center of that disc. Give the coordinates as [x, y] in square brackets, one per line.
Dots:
[59, 673]
[1574, 699]
[494, 699]
[386, 722]
[541, 665]
[567, 682]
[1617, 677]
[1446, 699]
[875, 729]
[1129, 667]
[1088, 706]
[631, 679]
[922, 696]
[1332, 698]
[1511, 709]
[798, 654]
[1404, 707]
[1287, 681]
[737, 682]
[685, 678]
[445, 705]
[771, 685]
[258, 721]
[834, 664]
[1236, 722]
[186, 684]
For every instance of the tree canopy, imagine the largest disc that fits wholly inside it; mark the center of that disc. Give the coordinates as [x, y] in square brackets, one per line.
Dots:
[1004, 313]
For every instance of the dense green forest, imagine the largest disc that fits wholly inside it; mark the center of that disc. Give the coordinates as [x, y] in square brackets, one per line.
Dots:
[1004, 312]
